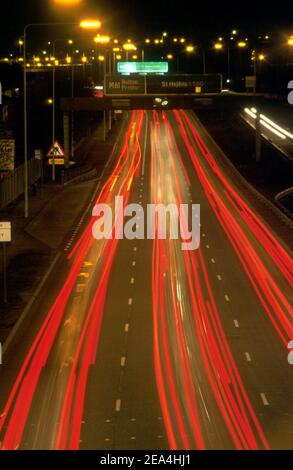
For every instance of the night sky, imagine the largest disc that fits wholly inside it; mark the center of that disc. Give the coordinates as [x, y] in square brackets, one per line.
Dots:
[192, 18]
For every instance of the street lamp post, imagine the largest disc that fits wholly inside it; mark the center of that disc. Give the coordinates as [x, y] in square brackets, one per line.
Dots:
[87, 24]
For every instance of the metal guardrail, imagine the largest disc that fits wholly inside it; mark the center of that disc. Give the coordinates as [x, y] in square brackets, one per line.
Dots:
[281, 195]
[12, 184]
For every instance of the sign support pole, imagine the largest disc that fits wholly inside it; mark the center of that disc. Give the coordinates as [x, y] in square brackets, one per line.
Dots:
[104, 126]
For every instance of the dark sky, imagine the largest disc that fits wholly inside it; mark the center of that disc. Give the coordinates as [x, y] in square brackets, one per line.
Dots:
[196, 18]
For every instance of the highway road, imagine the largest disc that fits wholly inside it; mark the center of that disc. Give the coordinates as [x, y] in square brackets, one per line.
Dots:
[137, 344]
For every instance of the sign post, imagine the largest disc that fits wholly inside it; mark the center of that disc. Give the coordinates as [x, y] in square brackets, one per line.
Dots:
[5, 237]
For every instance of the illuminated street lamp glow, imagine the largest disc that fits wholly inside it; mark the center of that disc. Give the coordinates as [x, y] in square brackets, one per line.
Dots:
[90, 24]
[101, 58]
[68, 60]
[129, 47]
[175, 39]
[102, 39]
[189, 49]
[70, 41]
[84, 59]
[116, 49]
[261, 57]
[67, 3]
[170, 56]
[134, 57]
[147, 41]
[218, 46]
[118, 57]
[242, 44]
[20, 42]
[182, 40]
[290, 41]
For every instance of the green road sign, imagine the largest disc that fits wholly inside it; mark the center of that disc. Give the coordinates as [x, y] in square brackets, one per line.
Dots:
[142, 67]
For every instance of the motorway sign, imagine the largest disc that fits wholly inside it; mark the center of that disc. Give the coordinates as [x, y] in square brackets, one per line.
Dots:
[162, 84]
[250, 81]
[142, 67]
[122, 85]
[183, 84]
[5, 232]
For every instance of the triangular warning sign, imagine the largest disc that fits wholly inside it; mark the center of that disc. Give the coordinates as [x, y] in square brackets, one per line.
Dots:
[56, 150]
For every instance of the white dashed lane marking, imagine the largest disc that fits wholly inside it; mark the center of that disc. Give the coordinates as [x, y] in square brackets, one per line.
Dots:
[248, 357]
[264, 399]
[236, 323]
[123, 361]
[118, 406]
[227, 298]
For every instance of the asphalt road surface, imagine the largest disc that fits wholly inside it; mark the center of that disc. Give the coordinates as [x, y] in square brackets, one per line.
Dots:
[138, 344]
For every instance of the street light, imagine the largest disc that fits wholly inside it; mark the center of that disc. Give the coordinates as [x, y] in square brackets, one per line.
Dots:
[290, 41]
[86, 24]
[67, 3]
[241, 44]
[190, 48]
[102, 39]
[218, 46]
[90, 24]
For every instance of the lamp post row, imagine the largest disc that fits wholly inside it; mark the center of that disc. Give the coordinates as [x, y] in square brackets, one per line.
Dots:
[87, 24]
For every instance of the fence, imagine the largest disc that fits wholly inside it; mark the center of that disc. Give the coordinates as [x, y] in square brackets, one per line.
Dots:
[12, 184]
